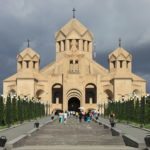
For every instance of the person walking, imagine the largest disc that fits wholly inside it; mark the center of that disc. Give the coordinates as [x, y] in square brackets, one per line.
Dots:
[80, 116]
[112, 120]
[65, 117]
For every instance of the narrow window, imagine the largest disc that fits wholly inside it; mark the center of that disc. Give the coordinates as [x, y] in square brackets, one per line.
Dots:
[20, 63]
[71, 66]
[27, 64]
[114, 64]
[76, 62]
[128, 64]
[121, 62]
[34, 63]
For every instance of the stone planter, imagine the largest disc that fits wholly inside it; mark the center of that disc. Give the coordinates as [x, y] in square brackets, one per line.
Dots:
[147, 140]
[3, 140]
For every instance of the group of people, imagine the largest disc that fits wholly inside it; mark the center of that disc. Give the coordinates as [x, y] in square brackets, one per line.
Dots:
[63, 117]
[83, 116]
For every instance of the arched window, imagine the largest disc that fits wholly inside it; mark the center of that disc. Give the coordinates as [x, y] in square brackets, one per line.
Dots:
[57, 93]
[108, 95]
[136, 93]
[39, 94]
[90, 93]
[12, 92]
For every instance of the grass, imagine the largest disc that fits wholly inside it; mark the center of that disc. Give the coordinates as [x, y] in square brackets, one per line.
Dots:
[147, 126]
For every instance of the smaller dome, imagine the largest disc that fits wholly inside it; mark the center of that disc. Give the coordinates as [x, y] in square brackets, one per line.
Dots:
[120, 53]
[28, 52]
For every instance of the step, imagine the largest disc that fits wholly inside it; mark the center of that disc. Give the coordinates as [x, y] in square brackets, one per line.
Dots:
[77, 147]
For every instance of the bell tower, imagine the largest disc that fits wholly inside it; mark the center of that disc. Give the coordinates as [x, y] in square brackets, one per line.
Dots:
[28, 59]
[73, 39]
[120, 60]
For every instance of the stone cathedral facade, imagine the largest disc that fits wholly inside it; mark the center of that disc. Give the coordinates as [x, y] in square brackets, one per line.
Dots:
[74, 79]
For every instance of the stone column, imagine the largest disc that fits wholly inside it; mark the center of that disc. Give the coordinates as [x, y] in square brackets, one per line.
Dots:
[80, 45]
[67, 45]
[30, 64]
[57, 47]
[62, 46]
[24, 65]
[19, 66]
[130, 66]
[124, 65]
[37, 65]
[117, 64]
[90, 46]
[85, 46]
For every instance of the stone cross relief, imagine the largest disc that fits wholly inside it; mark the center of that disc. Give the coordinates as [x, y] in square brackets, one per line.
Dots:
[74, 45]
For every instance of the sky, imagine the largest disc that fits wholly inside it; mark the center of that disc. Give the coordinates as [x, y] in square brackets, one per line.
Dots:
[108, 20]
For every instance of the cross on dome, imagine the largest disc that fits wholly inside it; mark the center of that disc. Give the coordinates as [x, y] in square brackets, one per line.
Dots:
[73, 10]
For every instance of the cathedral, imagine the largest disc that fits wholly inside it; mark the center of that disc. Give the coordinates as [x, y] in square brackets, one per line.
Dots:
[74, 79]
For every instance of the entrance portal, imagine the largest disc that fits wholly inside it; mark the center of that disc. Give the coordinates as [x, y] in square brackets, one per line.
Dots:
[73, 104]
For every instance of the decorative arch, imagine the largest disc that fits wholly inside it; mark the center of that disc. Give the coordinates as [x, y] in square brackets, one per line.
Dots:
[39, 94]
[90, 93]
[12, 92]
[57, 93]
[136, 93]
[108, 95]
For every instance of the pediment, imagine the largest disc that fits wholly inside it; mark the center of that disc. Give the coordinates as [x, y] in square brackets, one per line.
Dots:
[60, 36]
[35, 58]
[27, 57]
[73, 35]
[87, 36]
[19, 58]
[121, 57]
[112, 58]
[129, 58]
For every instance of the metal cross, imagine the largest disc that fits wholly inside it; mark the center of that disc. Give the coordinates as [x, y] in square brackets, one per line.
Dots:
[73, 12]
[28, 41]
[119, 42]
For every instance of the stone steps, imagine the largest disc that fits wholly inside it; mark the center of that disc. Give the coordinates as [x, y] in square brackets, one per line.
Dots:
[77, 147]
[71, 134]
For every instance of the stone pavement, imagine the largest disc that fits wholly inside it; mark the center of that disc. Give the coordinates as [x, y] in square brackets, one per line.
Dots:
[15, 132]
[137, 133]
[58, 136]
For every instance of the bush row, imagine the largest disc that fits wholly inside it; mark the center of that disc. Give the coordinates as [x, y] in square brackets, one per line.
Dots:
[14, 109]
[132, 110]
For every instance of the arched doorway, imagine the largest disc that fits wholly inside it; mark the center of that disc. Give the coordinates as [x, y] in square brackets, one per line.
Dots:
[73, 104]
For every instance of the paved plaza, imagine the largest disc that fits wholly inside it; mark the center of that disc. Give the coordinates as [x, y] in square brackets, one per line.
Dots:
[73, 135]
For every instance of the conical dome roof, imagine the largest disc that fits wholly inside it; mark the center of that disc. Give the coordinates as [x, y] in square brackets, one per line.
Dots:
[29, 51]
[120, 52]
[75, 25]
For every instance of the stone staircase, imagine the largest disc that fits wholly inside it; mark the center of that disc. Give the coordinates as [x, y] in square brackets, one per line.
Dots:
[71, 136]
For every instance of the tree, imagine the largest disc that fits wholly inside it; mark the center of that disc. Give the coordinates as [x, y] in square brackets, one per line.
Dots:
[142, 111]
[14, 110]
[1, 111]
[8, 111]
[136, 110]
[20, 110]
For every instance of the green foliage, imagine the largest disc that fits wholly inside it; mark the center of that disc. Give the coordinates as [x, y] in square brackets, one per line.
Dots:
[14, 110]
[17, 109]
[132, 110]
[8, 111]
[2, 123]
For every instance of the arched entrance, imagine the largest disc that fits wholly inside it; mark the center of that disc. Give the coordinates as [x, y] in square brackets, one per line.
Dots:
[73, 104]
